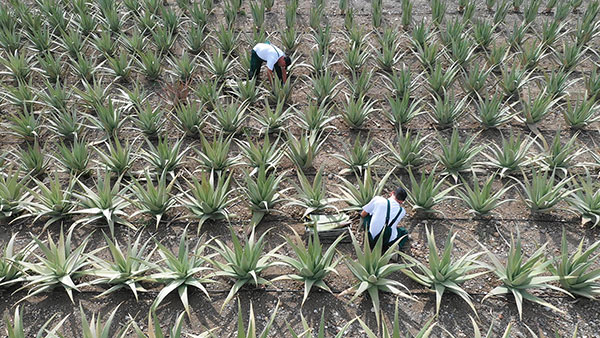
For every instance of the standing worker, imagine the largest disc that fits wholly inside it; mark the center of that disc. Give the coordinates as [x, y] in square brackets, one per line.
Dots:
[273, 56]
[381, 217]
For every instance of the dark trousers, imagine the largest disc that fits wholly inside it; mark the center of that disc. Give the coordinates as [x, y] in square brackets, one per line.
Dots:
[386, 233]
[255, 64]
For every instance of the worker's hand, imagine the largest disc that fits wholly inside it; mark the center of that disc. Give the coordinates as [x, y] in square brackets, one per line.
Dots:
[364, 214]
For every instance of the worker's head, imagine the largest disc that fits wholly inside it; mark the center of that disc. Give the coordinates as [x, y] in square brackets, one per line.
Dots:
[284, 61]
[400, 194]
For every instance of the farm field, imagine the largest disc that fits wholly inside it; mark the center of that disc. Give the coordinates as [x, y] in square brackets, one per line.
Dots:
[148, 184]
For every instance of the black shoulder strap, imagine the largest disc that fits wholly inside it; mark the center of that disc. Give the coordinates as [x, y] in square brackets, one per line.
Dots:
[387, 215]
[276, 51]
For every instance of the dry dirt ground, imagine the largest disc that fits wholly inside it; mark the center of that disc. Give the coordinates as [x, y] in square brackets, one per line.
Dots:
[492, 233]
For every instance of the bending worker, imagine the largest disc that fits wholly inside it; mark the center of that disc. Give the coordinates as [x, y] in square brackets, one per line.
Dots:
[381, 217]
[273, 56]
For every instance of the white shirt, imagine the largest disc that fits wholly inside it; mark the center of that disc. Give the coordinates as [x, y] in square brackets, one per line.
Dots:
[378, 208]
[269, 53]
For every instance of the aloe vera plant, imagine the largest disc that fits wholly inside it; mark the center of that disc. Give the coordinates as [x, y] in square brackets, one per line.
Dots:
[355, 58]
[585, 200]
[75, 158]
[400, 83]
[536, 108]
[243, 263]
[447, 110]
[18, 65]
[65, 124]
[118, 159]
[33, 159]
[154, 200]
[229, 119]
[481, 199]
[408, 151]
[427, 192]
[290, 39]
[325, 86]
[357, 111]
[126, 268]
[456, 157]
[520, 274]
[316, 117]
[13, 192]
[359, 195]
[576, 270]
[24, 124]
[442, 273]
[511, 155]
[311, 196]
[209, 198]
[248, 91]
[513, 79]
[372, 269]
[59, 265]
[273, 120]
[542, 193]
[483, 33]
[475, 79]
[360, 83]
[303, 150]
[189, 118]
[395, 331]
[15, 328]
[154, 329]
[209, 92]
[266, 155]
[389, 55]
[181, 270]
[10, 270]
[560, 156]
[319, 61]
[582, 113]
[150, 64]
[215, 155]
[250, 332]
[281, 92]
[107, 118]
[311, 264]
[308, 331]
[359, 157]
[262, 193]
[403, 109]
[94, 328]
[438, 11]
[165, 157]
[493, 112]
[22, 97]
[51, 201]
[107, 203]
[557, 83]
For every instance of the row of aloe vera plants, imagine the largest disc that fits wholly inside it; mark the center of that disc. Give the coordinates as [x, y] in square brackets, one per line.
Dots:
[108, 190]
[42, 266]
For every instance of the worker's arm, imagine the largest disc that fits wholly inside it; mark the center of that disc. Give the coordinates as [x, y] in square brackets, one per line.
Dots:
[270, 74]
[364, 214]
[284, 73]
